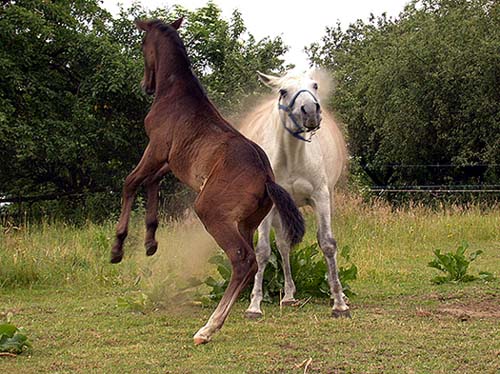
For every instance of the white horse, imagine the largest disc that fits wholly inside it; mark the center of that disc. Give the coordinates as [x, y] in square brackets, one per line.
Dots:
[307, 160]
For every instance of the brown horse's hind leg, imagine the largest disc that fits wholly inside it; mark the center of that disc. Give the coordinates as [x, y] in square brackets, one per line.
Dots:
[226, 234]
[152, 190]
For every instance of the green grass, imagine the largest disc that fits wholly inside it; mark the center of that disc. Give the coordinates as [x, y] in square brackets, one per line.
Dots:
[57, 285]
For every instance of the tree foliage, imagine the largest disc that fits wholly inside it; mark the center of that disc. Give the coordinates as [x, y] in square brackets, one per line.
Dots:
[421, 89]
[71, 109]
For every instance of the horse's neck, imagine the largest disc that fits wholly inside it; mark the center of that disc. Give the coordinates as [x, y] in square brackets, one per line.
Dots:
[177, 83]
[168, 75]
[288, 149]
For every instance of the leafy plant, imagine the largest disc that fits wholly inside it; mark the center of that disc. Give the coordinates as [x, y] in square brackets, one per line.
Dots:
[137, 302]
[455, 266]
[172, 290]
[71, 109]
[217, 286]
[308, 268]
[13, 340]
[347, 273]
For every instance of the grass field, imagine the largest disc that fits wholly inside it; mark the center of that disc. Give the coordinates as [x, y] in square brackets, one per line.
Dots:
[56, 283]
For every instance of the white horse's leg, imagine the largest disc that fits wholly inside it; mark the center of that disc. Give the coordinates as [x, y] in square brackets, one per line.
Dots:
[322, 208]
[262, 254]
[284, 249]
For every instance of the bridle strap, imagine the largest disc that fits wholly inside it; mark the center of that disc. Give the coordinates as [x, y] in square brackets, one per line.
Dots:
[299, 129]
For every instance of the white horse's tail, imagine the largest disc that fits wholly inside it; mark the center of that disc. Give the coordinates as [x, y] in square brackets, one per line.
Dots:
[291, 219]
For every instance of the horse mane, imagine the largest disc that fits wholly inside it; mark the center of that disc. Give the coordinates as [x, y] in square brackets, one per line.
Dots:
[171, 34]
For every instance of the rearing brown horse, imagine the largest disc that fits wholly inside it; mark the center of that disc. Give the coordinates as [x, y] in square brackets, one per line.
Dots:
[189, 137]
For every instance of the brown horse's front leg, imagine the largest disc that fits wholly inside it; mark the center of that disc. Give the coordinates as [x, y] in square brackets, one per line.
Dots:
[144, 169]
[153, 189]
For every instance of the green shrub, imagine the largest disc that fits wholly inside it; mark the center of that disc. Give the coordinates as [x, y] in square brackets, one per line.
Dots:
[13, 340]
[309, 272]
[455, 266]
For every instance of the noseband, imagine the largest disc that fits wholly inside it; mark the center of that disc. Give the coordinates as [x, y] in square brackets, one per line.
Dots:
[299, 129]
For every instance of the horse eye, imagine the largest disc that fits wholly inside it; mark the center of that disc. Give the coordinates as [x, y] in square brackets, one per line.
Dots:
[283, 92]
[315, 86]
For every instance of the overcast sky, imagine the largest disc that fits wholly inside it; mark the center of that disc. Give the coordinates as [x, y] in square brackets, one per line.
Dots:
[299, 23]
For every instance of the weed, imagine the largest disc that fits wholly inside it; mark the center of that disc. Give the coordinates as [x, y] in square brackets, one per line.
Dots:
[137, 302]
[456, 265]
[309, 273]
[347, 273]
[13, 340]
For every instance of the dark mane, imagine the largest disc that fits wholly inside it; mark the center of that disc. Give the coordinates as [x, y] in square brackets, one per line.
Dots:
[172, 34]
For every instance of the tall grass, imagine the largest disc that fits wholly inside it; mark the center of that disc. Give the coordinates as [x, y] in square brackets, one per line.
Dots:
[391, 248]
[55, 254]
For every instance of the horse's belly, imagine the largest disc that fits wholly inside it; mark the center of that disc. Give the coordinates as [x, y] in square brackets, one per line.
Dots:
[301, 191]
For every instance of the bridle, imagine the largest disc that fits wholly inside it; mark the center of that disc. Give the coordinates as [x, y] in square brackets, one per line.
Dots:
[299, 129]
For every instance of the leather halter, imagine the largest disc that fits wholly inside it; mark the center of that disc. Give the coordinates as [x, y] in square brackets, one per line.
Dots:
[299, 129]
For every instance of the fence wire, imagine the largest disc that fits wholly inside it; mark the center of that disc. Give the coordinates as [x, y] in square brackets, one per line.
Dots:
[379, 189]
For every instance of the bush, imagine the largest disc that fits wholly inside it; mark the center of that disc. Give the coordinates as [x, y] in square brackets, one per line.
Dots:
[455, 266]
[419, 92]
[13, 340]
[309, 273]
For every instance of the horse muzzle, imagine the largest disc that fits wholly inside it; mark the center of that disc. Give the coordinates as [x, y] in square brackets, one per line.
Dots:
[311, 122]
[311, 116]
[147, 89]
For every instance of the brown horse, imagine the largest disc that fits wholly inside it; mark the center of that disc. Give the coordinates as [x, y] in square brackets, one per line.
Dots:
[189, 137]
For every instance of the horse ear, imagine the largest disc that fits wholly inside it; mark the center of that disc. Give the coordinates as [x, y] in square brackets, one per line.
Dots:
[268, 80]
[176, 24]
[142, 25]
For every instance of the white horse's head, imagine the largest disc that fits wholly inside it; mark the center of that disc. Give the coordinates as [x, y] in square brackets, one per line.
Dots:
[298, 97]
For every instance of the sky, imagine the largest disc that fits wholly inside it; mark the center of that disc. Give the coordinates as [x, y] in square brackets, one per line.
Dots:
[299, 23]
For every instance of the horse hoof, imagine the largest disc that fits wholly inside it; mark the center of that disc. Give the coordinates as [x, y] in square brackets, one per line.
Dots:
[253, 315]
[199, 340]
[344, 297]
[341, 313]
[116, 257]
[290, 302]
[151, 248]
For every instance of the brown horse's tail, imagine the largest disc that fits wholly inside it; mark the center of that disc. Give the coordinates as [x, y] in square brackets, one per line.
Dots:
[291, 219]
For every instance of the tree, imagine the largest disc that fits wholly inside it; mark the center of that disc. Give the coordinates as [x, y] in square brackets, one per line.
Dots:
[70, 115]
[226, 57]
[421, 89]
[71, 109]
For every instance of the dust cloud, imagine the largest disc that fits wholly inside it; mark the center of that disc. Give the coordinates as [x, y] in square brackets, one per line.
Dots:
[173, 277]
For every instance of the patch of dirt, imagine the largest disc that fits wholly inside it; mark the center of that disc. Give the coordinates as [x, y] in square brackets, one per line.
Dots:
[487, 307]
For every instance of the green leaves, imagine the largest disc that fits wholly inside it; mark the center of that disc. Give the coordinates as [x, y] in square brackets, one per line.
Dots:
[455, 266]
[427, 74]
[137, 302]
[13, 340]
[309, 273]
[225, 55]
[71, 108]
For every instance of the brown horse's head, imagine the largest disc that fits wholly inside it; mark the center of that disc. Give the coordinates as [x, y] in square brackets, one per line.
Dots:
[149, 50]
